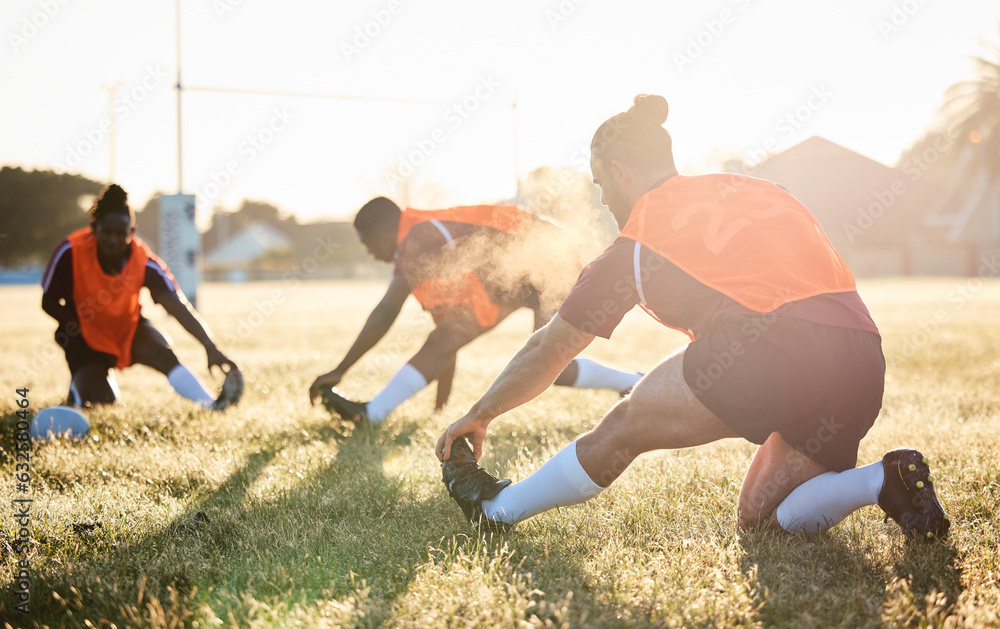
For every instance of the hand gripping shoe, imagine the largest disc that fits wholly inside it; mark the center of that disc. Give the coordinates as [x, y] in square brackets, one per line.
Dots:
[469, 485]
[334, 402]
[232, 391]
[908, 496]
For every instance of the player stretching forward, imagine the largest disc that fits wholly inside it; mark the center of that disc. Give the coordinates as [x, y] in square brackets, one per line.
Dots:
[91, 287]
[470, 267]
[783, 353]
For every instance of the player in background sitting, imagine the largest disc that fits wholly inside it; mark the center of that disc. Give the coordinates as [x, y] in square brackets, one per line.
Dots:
[783, 352]
[470, 267]
[91, 288]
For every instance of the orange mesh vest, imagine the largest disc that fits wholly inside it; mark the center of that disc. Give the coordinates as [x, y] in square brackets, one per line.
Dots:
[464, 289]
[747, 238]
[107, 305]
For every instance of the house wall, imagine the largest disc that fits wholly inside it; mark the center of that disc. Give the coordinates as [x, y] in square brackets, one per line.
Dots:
[988, 262]
[958, 260]
[941, 261]
[875, 262]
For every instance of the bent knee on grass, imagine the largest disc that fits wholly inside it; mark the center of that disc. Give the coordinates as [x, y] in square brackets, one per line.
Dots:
[153, 349]
[775, 471]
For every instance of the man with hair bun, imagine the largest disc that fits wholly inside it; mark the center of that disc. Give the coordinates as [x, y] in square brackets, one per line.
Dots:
[783, 353]
[91, 288]
[470, 267]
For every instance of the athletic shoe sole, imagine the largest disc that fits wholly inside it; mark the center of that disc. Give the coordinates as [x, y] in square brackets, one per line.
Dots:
[908, 496]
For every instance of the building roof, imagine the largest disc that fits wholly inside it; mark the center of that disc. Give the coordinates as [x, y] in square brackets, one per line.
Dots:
[838, 185]
[253, 242]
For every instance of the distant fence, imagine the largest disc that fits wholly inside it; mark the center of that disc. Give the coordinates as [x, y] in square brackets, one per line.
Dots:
[866, 262]
[360, 271]
[30, 275]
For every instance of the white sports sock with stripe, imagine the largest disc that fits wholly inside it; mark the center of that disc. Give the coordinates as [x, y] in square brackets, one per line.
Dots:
[820, 502]
[591, 374]
[188, 385]
[407, 382]
[561, 482]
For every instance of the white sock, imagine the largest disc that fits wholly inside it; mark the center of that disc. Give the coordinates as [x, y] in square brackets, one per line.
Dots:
[406, 383]
[188, 385]
[821, 502]
[561, 482]
[591, 374]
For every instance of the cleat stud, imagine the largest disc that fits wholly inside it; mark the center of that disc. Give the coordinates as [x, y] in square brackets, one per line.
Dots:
[912, 467]
[930, 478]
[930, 534]
[920, 484]
[925, 460]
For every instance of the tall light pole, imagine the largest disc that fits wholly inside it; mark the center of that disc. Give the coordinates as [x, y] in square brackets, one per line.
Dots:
[180, 144]
[517, 174]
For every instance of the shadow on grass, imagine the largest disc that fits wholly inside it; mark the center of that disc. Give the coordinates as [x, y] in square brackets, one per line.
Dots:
[843, 574]
[246, 553]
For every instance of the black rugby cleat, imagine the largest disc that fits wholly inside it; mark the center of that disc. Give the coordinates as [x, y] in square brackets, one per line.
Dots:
[908, 496]
[469, 485]
[334, 402]
[232, 391]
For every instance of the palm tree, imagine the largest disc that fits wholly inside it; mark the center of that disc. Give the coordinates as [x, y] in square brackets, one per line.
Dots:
[971, 110]
[973, 106]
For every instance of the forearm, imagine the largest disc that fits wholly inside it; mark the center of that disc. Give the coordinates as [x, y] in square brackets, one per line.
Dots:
[532, 370]
[375, 328]
[190, 321]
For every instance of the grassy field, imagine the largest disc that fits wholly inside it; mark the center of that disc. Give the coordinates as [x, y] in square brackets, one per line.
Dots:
[272, 514]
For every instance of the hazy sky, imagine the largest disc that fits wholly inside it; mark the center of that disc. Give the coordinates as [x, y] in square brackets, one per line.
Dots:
[739, 75]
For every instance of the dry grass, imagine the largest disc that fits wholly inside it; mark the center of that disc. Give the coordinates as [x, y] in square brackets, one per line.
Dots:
[273, 515]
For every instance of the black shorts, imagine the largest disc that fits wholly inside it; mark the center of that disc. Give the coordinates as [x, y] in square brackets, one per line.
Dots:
[820, 387]
[79, 354]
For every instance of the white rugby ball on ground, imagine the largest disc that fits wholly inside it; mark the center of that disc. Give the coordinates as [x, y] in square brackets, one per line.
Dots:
[57, 421]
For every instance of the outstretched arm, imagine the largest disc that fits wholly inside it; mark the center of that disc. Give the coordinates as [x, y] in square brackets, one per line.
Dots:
[530, 372]
[378, 323]
[179, 308]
